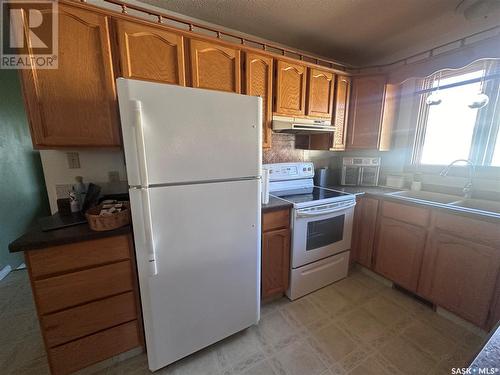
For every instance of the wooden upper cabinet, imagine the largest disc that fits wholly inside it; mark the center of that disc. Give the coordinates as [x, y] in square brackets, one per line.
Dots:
[75, 104]
[215, 66]
[320, 93]
[340, 113]
[366, 107]
[259, 82]
[150, 53]
[290, 89]
[460, 275]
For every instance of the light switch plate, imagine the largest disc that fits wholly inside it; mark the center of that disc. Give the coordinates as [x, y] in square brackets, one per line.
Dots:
[73, 160]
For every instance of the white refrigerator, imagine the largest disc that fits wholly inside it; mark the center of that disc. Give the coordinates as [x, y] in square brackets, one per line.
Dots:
[193, 162]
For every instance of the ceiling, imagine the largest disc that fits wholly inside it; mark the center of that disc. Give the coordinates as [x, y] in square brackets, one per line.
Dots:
[359, 32]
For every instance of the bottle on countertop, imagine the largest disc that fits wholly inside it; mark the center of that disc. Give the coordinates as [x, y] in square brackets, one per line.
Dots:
[73, 201]
[81, 190]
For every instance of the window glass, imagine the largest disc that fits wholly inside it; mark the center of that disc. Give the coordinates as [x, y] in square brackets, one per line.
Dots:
[450, 124]
[495, 161]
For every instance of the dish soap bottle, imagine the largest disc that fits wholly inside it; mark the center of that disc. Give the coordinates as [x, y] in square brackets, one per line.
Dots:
[73, 201]
[80, 190]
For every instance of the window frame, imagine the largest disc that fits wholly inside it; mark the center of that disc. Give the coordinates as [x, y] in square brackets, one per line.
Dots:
[486, 128]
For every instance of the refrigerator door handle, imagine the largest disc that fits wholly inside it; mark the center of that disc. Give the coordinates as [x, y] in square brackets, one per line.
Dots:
[136, 106]
[148, 233]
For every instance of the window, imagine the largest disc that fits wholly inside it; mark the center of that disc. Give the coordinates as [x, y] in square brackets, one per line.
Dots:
[451, 129]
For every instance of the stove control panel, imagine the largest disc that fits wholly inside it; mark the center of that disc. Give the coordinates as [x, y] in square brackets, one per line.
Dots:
[289, 171]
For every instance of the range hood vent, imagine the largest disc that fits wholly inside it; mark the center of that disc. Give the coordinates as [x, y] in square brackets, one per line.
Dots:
[301, 126]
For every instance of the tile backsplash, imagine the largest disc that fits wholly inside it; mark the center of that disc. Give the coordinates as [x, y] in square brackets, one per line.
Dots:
[282, 150]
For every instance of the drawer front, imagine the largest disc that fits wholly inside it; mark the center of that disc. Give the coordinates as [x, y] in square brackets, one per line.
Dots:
[87, 319]
[316, 275]
[408, 214]
[81, 255]
[78, 354]
[470, 229]
[275, 220]
[61, 292]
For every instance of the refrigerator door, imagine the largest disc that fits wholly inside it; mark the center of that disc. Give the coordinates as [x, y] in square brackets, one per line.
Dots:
[206, 246]
[176, 134]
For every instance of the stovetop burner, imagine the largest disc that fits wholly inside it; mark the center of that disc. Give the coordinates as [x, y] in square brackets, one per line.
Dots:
[309, 194]
[293, 182]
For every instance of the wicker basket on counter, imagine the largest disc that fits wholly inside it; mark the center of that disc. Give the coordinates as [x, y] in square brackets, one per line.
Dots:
[108, 222]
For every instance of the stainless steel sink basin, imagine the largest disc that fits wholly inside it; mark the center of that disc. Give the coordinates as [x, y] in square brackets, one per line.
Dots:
[479, 205]
[426, 196]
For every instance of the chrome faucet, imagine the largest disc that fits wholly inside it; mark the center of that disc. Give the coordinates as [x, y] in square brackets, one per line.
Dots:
[468, 187]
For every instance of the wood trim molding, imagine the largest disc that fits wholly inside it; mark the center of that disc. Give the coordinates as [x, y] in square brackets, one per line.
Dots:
[268, 49]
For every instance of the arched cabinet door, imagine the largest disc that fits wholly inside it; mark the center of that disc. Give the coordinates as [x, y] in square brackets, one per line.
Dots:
[150, 53]
[259, 82]
[215, 66]
[340, 115]
[290, 89]
[75, 104]
[320, 93]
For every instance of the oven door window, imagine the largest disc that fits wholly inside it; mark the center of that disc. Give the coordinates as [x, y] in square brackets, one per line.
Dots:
[325, 232]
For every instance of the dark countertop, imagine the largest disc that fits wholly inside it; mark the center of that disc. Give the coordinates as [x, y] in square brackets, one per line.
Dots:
[276, 204]
[359, 190]
[35, 238]
[489, 356]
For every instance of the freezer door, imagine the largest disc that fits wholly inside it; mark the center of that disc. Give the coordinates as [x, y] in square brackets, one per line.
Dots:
[176, 134]
[206, 240]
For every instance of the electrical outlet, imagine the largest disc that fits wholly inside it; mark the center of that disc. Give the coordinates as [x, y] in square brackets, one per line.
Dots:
[73, 160]
[113, 176]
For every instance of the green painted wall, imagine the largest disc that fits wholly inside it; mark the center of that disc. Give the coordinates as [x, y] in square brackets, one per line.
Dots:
[23, 197]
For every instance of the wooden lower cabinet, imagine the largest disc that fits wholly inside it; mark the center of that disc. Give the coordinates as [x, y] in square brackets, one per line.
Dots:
[449, 259]
[460, 275]
[87, 301]
[275, 257]
[399, 251]
[365, 219]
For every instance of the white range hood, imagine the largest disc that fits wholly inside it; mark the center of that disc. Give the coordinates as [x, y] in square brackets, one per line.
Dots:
[301, 126]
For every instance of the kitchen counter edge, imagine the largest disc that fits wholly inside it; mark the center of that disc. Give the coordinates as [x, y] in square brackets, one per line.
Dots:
[382, 192]
[36, 239]
[276, 204]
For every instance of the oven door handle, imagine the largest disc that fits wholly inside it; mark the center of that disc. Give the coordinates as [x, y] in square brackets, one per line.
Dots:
[323, 212]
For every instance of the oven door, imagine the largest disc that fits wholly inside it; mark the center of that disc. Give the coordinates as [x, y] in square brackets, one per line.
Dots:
[321, 231]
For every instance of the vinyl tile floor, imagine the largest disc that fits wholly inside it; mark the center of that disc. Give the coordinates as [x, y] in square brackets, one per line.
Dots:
[356, 326]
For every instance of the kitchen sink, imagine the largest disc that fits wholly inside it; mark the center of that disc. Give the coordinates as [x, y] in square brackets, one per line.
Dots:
[426, 196]
[479, 204]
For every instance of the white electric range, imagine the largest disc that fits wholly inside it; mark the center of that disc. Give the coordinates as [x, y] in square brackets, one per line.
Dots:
[321, 227]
